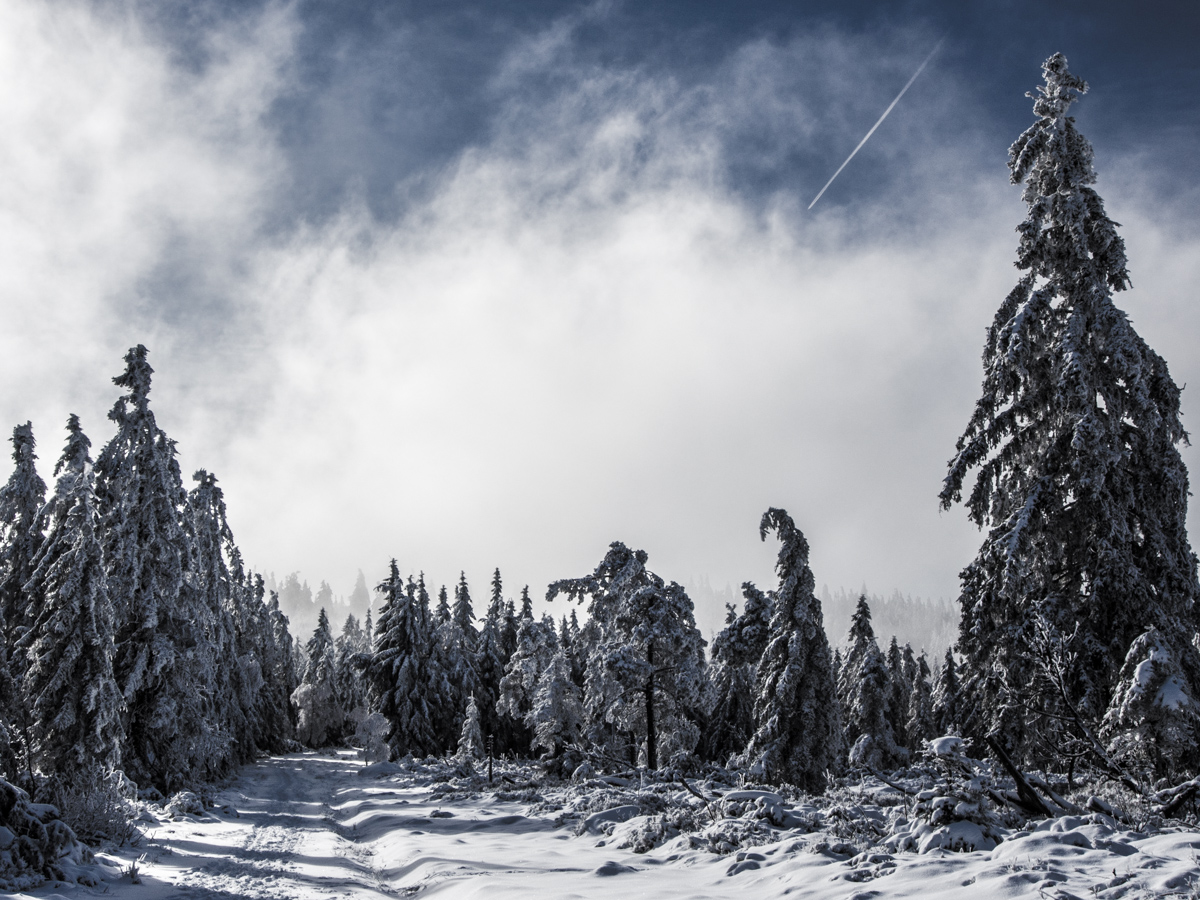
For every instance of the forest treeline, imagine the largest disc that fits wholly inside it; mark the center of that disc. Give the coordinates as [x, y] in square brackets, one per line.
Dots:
[134, 638]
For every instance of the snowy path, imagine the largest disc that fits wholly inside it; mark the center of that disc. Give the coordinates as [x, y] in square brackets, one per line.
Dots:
[308, 826]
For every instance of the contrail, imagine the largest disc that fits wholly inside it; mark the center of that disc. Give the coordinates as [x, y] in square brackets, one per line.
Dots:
[877, 124]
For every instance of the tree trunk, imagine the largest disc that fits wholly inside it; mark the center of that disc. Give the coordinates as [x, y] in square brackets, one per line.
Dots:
[651, 731]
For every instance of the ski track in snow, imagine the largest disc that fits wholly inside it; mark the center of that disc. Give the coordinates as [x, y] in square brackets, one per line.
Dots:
[309, 826]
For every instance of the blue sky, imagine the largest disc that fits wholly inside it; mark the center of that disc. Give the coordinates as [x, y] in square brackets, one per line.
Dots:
[479, 284]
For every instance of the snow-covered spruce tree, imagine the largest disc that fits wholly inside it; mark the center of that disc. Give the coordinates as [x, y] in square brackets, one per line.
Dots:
[946, 697]
[796, 716]
[537, 643]
[21, 533]
[456, 650]
[21, 528]
[864, 690]
[320, 718]
[921, 725]
[734, 670]
[141, 500]
[398, 673]
[647, 665]
[556, 713]
[212, 597]
[441, 615]
[490, 662]
[349, 648]
[471, 744]
[463, 612]
[275, 709]
[73, 702]
[900, 691]
[1153, 723]
[1079, 481]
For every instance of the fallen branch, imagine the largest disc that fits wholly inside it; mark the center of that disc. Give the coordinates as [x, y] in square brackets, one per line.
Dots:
[1174, 798]
[1029, 799]
[1065, 805]
[905, 791]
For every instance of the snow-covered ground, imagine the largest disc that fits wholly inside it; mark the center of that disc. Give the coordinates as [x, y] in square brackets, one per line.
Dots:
[311, 825]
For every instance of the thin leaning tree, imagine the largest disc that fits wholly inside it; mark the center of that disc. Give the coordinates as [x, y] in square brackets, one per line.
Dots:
[1079, 482]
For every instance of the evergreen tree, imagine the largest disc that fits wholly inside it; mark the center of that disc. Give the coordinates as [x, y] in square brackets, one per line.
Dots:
[920, 726]
[536, 645]
[282, 681]
[74, 704]
[647, 660]
[21, 530]
[349, 649]
[399, 672]
[470, 742]
[321, 717]
[526, 603]
[735, 654]
[21, 535]
[324, 597]
[864, 690]
[218, 660]
[490, 662]
[946, 697]
[796, 714]
[1079, 482]
[360, 597]
[1153, 723]
[442, 614]
[463, 613]
[556, 714]
[141, 499]
[900, 692]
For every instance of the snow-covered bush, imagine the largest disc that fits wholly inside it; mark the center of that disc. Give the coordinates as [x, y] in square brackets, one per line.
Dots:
[371, 736]
[958, 813]
[184, 803]
[96, 805]
[1153, 722]
[35, 844]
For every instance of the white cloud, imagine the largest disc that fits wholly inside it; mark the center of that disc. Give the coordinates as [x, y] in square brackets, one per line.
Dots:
[580, 334]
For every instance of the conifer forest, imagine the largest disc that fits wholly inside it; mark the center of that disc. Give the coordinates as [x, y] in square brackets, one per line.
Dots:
[155, 697]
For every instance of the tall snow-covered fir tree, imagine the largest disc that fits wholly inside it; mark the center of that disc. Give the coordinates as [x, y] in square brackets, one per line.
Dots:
[537, 643]
[556, 714]
[796, 714]
[947, 697]
[69, 689]
[141, 500]
[864, 688]
[647, 664]
[21, 532]
[402, 683]
[732, 676]
[21, 529]
[490, 662]
[1079, 481]
[921, 725]
[321, 717]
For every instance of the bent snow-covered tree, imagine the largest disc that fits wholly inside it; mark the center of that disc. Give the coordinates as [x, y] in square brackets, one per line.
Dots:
[1079, 481]
[648, 661]
[796, 708]
[75, 707]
